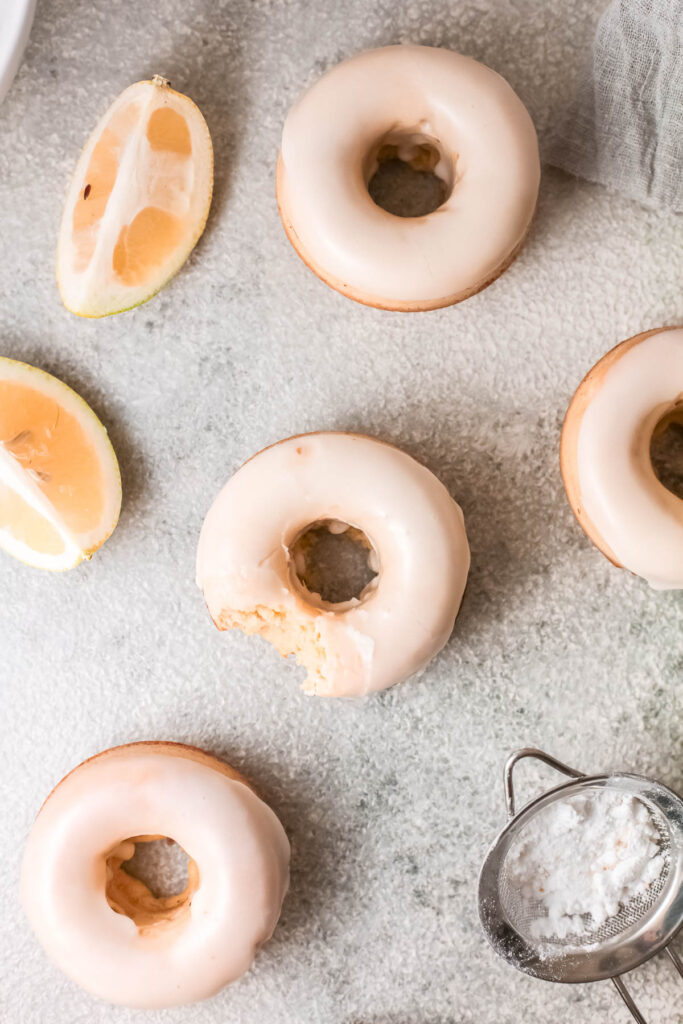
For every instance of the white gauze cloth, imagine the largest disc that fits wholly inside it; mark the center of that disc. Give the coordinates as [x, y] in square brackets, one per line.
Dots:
[625, 127]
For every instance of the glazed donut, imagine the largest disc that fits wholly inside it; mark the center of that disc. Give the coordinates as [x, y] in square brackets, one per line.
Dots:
[633, 392]
[103, 927]
[416, 532]
[422, 104]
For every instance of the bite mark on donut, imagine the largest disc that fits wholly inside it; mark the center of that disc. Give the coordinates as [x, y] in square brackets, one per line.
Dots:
[302, 637]
[289, 635]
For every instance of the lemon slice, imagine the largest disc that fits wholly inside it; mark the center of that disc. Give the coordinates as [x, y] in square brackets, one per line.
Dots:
[60, 487]
[138, 201]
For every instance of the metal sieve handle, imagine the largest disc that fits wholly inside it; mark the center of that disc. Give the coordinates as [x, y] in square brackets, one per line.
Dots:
[628, 998]
[538, 755]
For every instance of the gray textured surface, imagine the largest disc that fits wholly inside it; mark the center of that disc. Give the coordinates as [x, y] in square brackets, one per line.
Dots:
[389, 804]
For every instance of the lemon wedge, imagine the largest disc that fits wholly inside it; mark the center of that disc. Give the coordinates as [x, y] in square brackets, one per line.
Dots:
[138, 201]
[60, 487]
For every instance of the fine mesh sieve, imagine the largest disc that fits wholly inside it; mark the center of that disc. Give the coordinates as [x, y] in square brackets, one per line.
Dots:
[643, 926]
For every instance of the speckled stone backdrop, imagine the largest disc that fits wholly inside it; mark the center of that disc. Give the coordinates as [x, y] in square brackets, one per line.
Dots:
[389, 803]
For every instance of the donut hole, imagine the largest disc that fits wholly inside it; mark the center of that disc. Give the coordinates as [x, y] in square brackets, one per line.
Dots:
[151, 880]
[161, 864]
[408, 174]
[666, 451]
[333, 563]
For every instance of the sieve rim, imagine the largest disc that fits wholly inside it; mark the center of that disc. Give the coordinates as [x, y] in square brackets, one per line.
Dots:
[619, 954]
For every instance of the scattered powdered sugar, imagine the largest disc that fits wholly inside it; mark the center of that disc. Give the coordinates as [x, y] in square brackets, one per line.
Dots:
[587, 855]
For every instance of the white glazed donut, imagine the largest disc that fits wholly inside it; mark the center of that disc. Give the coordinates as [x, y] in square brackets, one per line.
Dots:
[402, 618]
[632, 392]
[406, 98]
[105, 929]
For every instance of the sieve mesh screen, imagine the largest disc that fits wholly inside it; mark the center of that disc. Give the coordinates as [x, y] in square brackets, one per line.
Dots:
[522, 912]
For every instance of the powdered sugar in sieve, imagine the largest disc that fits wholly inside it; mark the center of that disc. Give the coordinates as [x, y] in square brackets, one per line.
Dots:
[586, 881]
[582, 862]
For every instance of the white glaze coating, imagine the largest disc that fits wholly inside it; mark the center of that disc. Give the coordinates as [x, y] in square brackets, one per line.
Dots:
[238, 845]
[484, 132]
[415, 527]
[641, 521]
